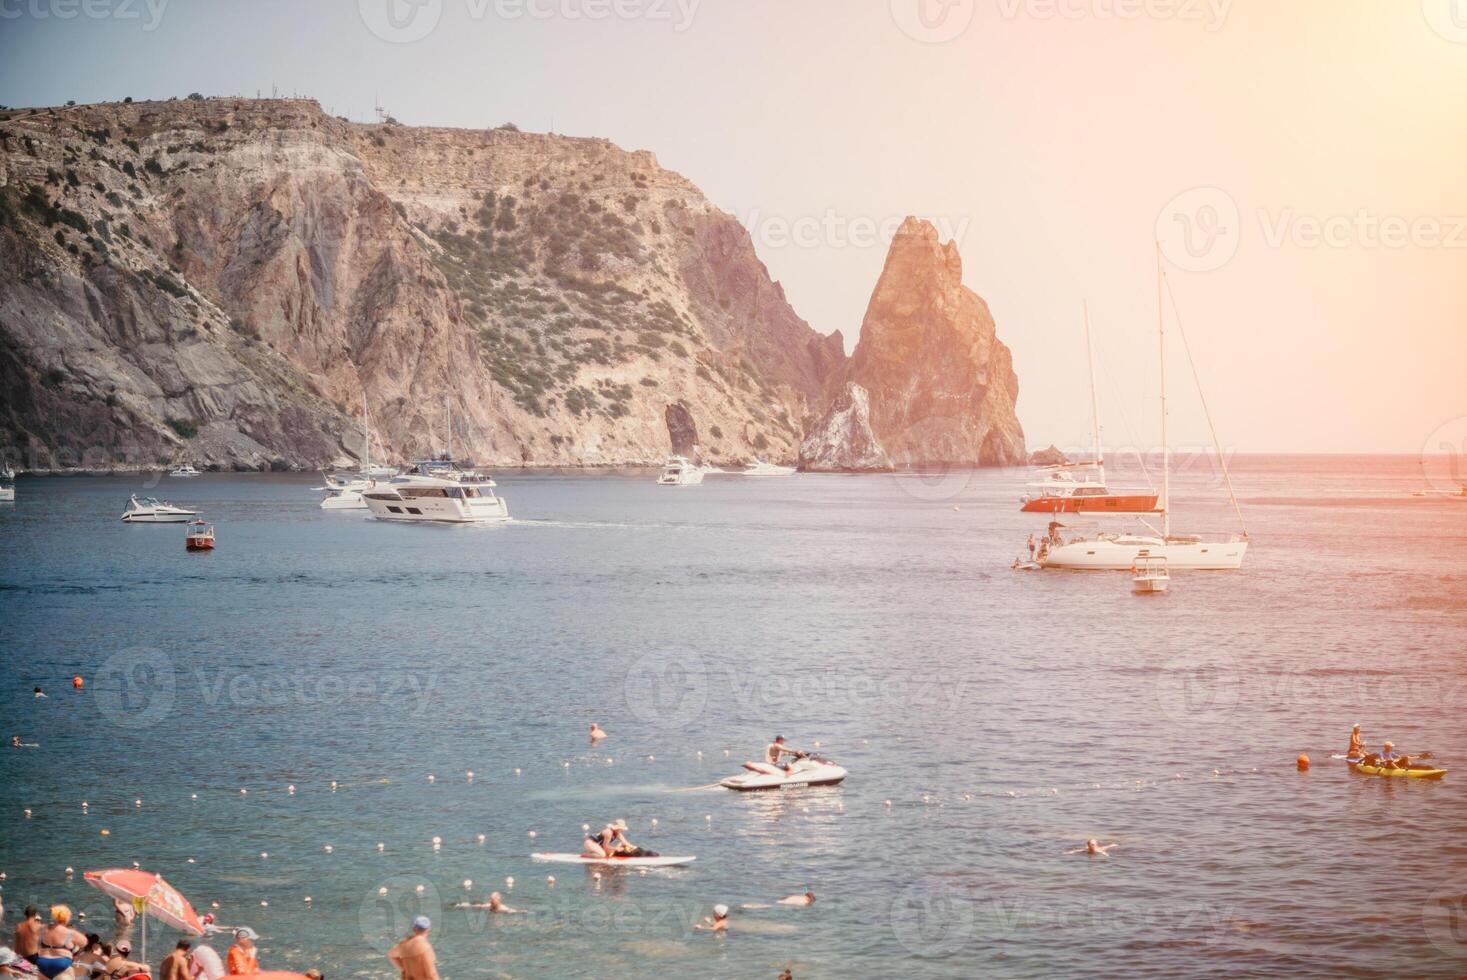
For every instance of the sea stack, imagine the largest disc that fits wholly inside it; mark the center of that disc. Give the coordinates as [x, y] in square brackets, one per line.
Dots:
[942, 385]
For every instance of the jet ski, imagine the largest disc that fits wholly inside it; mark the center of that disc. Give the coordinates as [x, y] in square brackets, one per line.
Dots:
[805, 771]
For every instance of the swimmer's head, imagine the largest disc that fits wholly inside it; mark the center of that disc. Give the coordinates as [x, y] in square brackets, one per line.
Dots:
[721, 911]
[779, 738]
[60, 914]
[422, 924]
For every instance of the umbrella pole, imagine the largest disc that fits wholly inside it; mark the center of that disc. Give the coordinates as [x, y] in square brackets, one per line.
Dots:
[145, 937]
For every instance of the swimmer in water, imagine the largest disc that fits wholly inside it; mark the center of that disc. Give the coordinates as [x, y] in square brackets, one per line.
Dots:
[806, 899]
[40, 693]
[596, 733]
[1094, 849]
[717, 922]
[16, 743]
[495, 905]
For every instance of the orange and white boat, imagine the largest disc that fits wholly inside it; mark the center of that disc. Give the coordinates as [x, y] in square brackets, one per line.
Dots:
[200, 536]
[1080, 488]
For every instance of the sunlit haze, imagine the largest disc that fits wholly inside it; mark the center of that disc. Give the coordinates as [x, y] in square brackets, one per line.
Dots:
[1050, 139]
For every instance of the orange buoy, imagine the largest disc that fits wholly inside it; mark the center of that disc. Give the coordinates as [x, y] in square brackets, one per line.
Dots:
[77, 682]
[1302, 762]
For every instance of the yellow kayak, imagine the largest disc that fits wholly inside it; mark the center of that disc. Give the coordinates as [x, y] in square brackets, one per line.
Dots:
[1415, 772]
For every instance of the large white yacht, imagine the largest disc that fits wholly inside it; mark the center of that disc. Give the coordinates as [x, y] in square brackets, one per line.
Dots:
[679, 471]
[437, 491]
[154, 511]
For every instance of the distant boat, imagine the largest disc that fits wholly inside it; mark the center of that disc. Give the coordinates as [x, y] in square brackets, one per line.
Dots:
[762, 467]
[679, 471]
[154, 511]
[1116, 552]
[184, 470]
[7, 494]
[1150, 575]
[6, 473]
[200, 536]
[1080, 488]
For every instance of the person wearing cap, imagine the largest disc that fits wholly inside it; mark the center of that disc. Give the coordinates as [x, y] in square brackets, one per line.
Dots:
[241, 957]
[717, 922]
[118, 964]
[414, 956]
[776, 750]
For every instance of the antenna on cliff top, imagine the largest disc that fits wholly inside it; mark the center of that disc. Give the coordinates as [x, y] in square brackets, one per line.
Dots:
[379, 108]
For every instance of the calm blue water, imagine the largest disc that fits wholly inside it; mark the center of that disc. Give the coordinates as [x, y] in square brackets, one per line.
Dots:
[1006, 717]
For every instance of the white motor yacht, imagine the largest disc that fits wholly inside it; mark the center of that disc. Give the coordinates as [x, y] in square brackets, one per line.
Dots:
[7, 494]
[437, 491]
[679, 471]
[762, 467]
[184, 470]
[154, 511]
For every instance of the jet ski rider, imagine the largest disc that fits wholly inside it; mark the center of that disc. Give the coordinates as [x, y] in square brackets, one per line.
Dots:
[777, 750]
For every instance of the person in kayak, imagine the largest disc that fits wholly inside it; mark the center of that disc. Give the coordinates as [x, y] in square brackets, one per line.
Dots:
[776, 750]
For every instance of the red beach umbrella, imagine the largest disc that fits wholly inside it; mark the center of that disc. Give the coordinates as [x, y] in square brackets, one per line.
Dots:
[149, 894]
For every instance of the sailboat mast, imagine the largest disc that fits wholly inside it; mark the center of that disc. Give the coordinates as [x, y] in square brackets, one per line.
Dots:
[366, 435]
[448, 411]
[1094, 403]
[1166, 469]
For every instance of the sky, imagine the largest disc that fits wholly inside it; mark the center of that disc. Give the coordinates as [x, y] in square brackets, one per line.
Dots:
[1299, 163]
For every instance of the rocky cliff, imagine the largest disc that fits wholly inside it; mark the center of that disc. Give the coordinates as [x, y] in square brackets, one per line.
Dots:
[942, 386]
[842, 440]
[224, 280]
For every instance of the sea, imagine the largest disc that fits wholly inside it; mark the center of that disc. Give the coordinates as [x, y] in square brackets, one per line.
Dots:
[330, 725]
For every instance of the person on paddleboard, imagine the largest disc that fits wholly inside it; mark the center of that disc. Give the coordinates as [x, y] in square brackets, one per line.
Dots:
[1357, 744]
[776, 750]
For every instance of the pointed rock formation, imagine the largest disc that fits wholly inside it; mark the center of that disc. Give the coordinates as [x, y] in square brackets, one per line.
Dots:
[842, 442]
[682, 431]
[1051, 456]
[942, 385]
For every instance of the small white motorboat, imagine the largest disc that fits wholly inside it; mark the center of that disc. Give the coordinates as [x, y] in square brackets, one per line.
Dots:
[654, 861]
[7, 494]
[154, 511]
[183, 471]
[1149, 575]
[344, 500]
[679, 471]
[805, 771]
[762, 467]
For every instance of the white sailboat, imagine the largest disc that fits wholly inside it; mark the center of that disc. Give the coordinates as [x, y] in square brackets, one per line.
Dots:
[1121, 551]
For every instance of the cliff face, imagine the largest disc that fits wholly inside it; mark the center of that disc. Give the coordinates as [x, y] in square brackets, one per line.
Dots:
[224, 280]
[842, 441]
[942, 386]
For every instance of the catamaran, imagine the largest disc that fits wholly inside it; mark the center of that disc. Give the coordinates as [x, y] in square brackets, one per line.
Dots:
[1120, 551]
[1080, 488]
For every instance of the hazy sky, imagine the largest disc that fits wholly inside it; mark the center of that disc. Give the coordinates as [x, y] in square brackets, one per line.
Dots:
[1320, 258]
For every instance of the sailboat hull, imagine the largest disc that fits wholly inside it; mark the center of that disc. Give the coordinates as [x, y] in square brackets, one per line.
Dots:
[1139, 503]
[1123, 553]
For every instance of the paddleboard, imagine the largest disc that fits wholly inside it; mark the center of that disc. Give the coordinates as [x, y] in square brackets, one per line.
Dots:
[661, 861]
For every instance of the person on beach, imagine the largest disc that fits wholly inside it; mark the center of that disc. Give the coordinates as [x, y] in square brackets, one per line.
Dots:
[1032, 545]
[119, 966]
[123, 917]
[1094, 849]
[175, 964]
[12, 965]
[806, 899]
[28, 934]
[92, 959]
[596, 733]
[717, 922]
[414, 956]
[241, 957]
[59, 943]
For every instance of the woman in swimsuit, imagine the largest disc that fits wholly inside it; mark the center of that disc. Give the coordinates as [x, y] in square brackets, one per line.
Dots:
[59, 943]
[119, 966]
